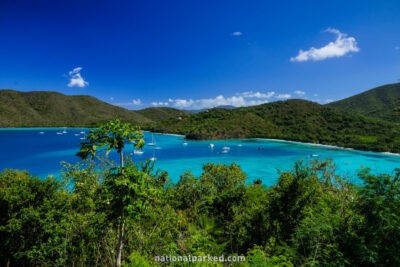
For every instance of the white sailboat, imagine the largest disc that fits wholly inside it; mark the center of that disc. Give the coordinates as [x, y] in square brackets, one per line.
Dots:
[152, 143]
[154, 156]
[211, 145]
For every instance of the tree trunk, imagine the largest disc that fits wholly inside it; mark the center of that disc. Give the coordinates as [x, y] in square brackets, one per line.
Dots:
[122, 161]
[120, 242]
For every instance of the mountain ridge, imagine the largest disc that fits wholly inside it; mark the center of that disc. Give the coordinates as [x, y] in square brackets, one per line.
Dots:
[50, 108]
[378, 102]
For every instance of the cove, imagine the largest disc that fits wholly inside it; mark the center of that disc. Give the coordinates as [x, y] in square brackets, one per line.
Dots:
[40, 151]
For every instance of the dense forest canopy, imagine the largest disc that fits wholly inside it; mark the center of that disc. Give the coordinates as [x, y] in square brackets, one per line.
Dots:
[310, 217]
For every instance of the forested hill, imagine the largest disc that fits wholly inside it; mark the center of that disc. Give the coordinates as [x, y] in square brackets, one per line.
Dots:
[378, 102]
[50, 109]
[297, 120]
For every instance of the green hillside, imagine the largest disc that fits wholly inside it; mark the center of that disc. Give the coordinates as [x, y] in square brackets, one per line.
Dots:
[50, 109]
[297, 120]
[378, 102]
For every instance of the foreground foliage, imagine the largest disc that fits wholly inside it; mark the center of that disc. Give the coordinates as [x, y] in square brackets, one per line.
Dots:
[311, 217]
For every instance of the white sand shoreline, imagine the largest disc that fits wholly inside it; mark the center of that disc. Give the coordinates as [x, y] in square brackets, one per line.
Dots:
[331, 146]
[164, 133]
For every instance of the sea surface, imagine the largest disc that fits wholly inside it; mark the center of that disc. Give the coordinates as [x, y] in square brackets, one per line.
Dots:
[41, 150]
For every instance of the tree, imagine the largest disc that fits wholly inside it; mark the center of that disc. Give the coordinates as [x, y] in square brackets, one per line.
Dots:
[113, 135]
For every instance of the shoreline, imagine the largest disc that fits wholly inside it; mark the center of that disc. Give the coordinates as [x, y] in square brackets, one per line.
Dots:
[330, 146]
[164, 133]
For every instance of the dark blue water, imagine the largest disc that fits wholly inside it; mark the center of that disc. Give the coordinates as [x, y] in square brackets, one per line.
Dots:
[41, 154]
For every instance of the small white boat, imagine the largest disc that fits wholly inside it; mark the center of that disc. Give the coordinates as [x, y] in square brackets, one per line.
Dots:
[157, 147]
[138, 152]
[76, 134]
[224, 151]
[185, 144]
[226, 148]
[83, 138]
[41, 132]
[239, 145]
[211, 145]
[64, 132]
[59, 133]
[82, 132]
[314, 155]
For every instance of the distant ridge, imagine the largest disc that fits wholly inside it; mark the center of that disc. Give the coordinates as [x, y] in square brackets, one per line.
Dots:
[51, 109]
[204, 109]
[378, 102]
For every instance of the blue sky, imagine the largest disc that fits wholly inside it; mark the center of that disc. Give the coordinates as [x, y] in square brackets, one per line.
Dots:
[196, 54]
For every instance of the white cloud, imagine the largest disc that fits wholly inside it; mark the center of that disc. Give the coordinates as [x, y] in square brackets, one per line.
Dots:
[300, 93]
[248, 98]
[76, 78]
[283, 96]
[237, 33]
[328, 100]
[340, 47]
[136, 101]
[112, 98]
[315, 95]
[251, 94]
[156, 104]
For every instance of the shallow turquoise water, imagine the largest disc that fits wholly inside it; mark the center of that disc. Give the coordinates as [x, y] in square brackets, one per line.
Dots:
[41, 154]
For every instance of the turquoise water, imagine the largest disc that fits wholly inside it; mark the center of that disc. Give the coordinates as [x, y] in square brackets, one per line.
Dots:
[41, 154]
